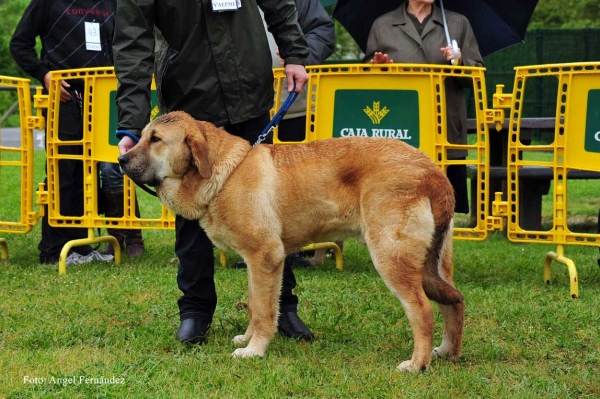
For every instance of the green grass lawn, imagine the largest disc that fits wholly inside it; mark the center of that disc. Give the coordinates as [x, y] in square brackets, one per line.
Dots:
[522, 338]
[115, 325]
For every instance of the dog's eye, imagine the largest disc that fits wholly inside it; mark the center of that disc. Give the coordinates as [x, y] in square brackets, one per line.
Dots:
[154, 139]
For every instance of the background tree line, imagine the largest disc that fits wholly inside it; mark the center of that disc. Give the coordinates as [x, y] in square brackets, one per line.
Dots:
[562, 14]
[567, 14]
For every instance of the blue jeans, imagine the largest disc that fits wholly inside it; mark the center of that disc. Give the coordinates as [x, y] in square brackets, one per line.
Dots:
[111, 175]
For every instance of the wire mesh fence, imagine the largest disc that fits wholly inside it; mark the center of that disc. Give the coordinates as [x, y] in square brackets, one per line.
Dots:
[541, 46]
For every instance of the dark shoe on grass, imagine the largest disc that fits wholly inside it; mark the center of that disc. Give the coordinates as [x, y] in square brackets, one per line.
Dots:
[193, 331]
[290, 326]
[240, 265]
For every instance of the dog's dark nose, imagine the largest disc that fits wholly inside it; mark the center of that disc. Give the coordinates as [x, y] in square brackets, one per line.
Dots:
[123, 160]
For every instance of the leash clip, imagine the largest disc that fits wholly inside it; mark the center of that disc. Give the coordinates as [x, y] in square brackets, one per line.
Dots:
[278, 116]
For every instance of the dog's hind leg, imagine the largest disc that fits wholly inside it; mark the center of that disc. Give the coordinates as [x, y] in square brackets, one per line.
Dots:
[453, 313]
[265, 270]
[398, 247]
[451, 345]
[402, 275]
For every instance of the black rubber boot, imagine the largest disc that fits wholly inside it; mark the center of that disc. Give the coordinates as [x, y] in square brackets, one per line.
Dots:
[193, 331]
[291, 326]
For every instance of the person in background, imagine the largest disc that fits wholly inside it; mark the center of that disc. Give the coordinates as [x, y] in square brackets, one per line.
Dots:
[216, 66]
[74, 34]
[319, 31]
[414, 33]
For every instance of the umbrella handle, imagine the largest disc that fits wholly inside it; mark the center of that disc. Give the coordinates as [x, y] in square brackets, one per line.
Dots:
[455, 50]
[452, 43]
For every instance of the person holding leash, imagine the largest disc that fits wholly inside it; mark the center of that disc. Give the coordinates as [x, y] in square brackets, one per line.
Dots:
[319, 30]
[216, 66]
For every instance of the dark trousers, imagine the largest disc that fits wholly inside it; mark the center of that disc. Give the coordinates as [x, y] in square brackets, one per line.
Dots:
[194, 249]
[457, 174]
[70, 177]
[293, 129]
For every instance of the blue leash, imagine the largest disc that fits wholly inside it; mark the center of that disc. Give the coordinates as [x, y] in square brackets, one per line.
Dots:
[268, 129]
[278, 116]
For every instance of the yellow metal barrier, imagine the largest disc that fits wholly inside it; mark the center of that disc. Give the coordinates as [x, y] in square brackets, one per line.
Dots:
[339, 260]
[16, 164]
[405, 102]
[402, 101]
[576, 147]
[99, 145]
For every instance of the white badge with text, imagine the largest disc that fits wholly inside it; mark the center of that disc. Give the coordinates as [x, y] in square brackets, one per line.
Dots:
[225, 5]
[92, 36]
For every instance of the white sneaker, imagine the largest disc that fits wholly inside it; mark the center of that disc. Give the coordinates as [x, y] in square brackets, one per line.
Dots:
[75, 258]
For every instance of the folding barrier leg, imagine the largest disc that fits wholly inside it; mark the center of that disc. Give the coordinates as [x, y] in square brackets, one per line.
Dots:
[559, 257]
[339, 262]
[91, 239]
[223, 258]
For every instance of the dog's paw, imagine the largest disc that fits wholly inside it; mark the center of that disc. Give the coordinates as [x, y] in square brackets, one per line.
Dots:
[239, 339]
[408, 366]
[442, 352]
[245, 352]
[438, 353]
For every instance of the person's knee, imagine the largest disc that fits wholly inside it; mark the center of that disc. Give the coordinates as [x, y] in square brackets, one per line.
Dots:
[111, 175]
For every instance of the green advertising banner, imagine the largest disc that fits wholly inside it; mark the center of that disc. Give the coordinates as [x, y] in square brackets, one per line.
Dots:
[377, 113]
[113, 117]
[592, 125]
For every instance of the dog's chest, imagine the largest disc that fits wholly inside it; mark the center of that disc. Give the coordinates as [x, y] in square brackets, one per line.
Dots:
[221, 237]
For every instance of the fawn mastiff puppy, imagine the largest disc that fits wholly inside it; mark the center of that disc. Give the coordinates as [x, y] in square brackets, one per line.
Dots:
[266, 201]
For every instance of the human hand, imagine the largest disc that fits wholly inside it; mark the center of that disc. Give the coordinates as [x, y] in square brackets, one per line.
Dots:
[295, 73]
[126, 144]
[64, 95]
[448, 53]
[381, 58]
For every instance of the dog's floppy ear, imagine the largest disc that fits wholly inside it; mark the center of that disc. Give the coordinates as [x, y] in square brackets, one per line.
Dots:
[196, 141]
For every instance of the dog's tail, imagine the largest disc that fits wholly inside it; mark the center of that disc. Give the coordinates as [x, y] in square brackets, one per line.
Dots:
[439, 257]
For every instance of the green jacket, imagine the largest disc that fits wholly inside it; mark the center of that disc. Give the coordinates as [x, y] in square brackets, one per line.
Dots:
[216, 66]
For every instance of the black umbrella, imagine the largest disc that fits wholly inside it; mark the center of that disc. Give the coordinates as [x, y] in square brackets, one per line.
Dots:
[496, 23]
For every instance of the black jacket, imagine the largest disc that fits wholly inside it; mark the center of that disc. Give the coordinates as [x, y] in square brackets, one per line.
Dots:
[60, 24]
[216, 66]
[318, 29]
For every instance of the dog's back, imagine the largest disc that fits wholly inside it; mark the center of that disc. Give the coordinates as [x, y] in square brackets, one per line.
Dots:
[329, 184]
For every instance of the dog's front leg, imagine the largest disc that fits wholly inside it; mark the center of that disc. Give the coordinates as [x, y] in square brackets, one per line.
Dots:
[239, 340]
[264, 287]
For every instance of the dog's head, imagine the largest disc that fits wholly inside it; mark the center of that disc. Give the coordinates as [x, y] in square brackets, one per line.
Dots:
[169, 148]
